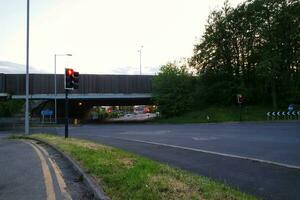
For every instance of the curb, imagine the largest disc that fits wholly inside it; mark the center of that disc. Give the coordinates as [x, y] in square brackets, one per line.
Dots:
[87, 179]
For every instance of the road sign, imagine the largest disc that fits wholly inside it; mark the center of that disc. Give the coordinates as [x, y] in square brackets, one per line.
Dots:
[278, 114]
[239, 98]
[291, 107]
[46, 112]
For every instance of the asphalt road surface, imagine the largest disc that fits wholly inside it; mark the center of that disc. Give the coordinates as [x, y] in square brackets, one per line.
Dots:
[262, 159]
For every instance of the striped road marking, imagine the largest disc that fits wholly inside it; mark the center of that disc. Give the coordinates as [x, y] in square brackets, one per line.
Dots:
[58, 174]
[50, 193]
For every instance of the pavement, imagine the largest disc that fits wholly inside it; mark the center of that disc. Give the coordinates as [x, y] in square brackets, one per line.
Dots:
[262, 159]
[28, 171]
[21, 172]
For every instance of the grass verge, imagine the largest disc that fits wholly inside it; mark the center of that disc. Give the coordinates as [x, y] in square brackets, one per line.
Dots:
[220, 114]
[127, 176]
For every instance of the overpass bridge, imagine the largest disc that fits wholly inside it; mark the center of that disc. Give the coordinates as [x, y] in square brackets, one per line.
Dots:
[122, 89]
[94, 90]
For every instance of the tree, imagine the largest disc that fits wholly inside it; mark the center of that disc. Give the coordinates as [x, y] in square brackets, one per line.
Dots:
[252, 49]
[174, 90]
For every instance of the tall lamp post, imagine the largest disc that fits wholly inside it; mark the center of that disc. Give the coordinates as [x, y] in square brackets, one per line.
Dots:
[27, 74]
[140, 52]
[55, 89]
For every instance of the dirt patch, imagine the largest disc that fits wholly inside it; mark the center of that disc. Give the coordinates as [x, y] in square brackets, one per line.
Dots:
[128, 162]
[172, 188]
[89, 145]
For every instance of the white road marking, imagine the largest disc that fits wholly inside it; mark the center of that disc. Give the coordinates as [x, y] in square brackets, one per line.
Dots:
[203, 138]
[209, 152]
[159, 132]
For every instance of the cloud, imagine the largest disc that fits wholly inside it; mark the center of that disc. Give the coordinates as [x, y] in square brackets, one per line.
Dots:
[7, 67]
[136, 70]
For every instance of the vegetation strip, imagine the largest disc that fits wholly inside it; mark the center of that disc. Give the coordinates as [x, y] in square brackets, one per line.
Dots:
[127, 176]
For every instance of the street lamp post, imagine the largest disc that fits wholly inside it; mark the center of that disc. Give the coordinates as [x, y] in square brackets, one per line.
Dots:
[55, 89]
[27, 75]
[140, 51]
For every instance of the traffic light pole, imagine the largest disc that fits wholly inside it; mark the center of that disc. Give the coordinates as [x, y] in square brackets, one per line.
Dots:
[71, 82]
[66, 115]
[240, 112]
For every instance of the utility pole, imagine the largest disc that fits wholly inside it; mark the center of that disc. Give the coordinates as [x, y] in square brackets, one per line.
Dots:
[27, 75]
[140, 51]
[55, 92]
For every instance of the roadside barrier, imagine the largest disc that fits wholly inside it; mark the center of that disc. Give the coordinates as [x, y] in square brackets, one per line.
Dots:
[282, 115]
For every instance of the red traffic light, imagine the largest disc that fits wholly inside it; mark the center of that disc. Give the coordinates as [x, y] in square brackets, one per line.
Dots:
[71, 79]
[70, 72]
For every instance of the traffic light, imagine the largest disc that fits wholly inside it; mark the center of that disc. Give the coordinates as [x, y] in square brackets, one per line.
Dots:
[71, 79]
[76, 80]
[239, 98]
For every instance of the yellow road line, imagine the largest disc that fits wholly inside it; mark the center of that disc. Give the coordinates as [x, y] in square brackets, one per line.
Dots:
[58, 174]
[47, 175]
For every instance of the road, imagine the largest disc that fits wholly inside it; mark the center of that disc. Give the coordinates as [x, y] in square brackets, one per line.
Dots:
[227, 152]
[133, 117]
[28, 171]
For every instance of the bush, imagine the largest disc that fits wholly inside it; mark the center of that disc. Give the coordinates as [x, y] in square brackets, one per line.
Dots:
[10, 107]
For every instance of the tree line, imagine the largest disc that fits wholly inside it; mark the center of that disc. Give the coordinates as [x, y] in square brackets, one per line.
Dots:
[253, 49]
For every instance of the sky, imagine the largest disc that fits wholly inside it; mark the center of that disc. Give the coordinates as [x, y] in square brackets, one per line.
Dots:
[103, 36]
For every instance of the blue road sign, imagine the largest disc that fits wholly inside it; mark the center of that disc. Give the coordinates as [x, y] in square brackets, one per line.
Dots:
[47, 112]
[291, 107]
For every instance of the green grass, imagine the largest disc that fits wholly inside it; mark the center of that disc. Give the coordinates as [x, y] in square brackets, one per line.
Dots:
[127, 176]
[220, 114]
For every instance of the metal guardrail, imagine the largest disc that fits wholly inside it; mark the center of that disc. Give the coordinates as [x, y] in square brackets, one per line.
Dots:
[281, 115]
